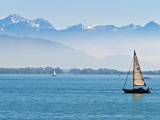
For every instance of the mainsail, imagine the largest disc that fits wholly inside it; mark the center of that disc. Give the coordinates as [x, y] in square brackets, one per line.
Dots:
[138, 78]
[54, 73]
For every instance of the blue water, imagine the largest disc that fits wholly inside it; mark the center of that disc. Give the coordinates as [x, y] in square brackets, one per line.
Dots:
[76, 97]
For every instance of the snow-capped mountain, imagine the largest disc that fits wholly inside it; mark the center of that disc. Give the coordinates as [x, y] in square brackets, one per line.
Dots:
[42, 24]
[14, 23]
[96, 27]
[130, 27]
[107, 28]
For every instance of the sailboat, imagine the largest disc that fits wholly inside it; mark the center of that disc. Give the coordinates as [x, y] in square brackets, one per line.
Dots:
[137, 78]
[54, 73]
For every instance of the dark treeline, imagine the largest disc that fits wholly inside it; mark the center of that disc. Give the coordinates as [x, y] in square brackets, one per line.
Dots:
[49, 70]
[92, 71]
[30, 70]
[108, 71]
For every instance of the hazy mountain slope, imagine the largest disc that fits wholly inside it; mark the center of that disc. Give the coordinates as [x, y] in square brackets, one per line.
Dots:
[31, 52]
[16, 52]
[123, 62]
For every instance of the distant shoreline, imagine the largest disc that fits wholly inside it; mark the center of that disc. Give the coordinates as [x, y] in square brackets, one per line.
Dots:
[74, 71]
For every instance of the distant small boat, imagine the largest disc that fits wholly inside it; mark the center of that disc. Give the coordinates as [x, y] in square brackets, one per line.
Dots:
[137, 78]
[54, 73]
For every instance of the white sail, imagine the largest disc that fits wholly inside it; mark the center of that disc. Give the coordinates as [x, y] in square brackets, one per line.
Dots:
[138, 78]
[54, 73]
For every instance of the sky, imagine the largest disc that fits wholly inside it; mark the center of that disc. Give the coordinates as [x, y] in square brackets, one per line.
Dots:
[64, 13]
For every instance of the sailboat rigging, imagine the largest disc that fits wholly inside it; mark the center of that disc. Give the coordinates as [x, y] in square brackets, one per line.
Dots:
[137, 78]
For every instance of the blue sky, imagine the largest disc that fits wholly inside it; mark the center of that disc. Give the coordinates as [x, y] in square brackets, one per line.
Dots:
[64, 13]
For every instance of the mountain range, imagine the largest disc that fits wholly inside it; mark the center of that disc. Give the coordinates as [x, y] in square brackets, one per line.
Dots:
[16, 22]
[17, 25]
[25, 42]
[35, 52]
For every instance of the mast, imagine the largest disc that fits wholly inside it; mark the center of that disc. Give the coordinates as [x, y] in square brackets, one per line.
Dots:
[133, 67]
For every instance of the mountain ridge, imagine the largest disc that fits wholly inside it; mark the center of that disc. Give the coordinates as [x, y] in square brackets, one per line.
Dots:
[35, 52]
[41, 23]
[96, 40]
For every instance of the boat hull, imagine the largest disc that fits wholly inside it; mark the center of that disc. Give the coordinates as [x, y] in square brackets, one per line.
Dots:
[136, 90]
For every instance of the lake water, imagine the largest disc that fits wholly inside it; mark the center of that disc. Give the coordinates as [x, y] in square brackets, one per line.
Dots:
[76, 97]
